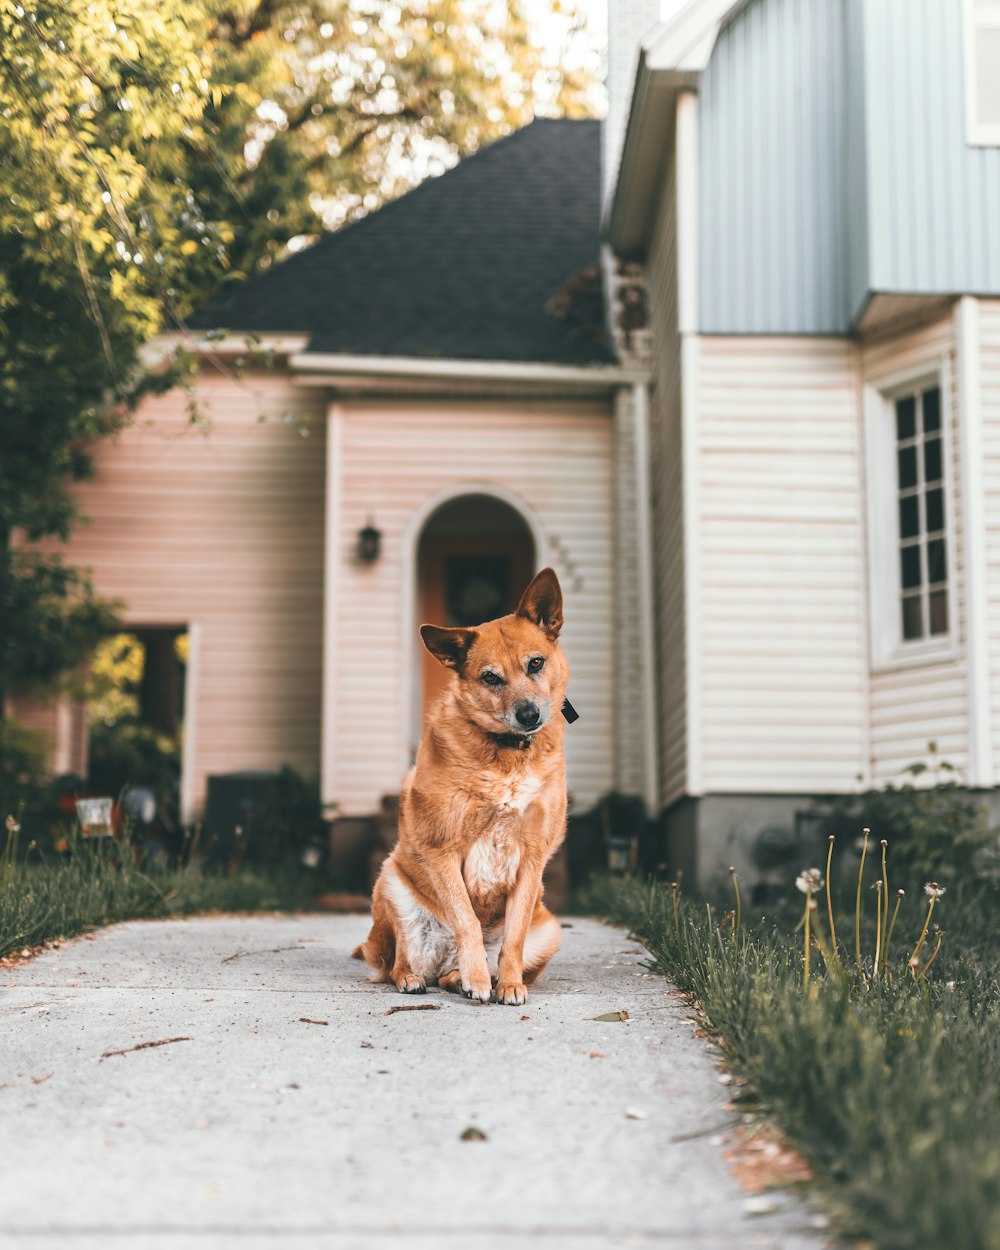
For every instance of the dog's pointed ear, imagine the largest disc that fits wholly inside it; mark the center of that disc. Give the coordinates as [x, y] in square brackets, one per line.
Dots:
[542, 603]
[450, 646]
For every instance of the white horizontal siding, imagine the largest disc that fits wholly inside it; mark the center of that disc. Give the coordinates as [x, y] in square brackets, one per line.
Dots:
[989, 377]
[783, 685]
[396, 456]
[927, 703]
[225, 529]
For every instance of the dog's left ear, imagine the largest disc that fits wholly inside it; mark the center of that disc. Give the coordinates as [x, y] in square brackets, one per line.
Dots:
[541, 603]
[450, 646]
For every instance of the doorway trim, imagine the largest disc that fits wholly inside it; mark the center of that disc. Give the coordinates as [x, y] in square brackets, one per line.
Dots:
[410, 646]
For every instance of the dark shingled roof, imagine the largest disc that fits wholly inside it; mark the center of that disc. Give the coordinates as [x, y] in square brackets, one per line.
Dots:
[466, 266]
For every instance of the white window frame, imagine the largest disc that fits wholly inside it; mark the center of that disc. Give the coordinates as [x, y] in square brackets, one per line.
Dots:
[889, 650]
[977, 133]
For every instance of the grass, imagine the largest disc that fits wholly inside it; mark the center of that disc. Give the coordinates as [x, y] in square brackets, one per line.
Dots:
[889, 1083]
[98, 882]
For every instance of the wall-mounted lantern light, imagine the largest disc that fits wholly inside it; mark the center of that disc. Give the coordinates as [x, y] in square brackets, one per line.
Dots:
[369, 544]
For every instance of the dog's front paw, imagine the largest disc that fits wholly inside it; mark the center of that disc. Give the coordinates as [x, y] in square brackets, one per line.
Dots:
[512, 993]
[410, 983]
[478, 987]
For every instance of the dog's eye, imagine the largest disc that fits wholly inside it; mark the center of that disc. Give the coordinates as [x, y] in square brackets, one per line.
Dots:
[536, 664]
[492, 679]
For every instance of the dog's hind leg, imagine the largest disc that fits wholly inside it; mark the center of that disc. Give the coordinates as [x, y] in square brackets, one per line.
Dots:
[378, 950]
[541, 943]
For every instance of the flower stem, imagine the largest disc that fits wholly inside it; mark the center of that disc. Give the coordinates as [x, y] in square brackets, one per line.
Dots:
[736, 887]
[878, 929]
[857, 901]
[829, 904]
[673, 894]
[915, 957]
[934, 955]
[805, 962]
[892, 925]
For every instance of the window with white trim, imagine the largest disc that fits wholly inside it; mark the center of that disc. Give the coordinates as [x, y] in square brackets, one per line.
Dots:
[911, 529]
[982, 72]
[921, 515]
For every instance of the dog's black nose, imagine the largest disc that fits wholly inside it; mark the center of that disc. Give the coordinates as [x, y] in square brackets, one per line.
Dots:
[527, 715]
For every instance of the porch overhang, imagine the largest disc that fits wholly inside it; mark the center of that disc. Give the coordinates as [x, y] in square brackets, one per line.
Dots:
[408, 375]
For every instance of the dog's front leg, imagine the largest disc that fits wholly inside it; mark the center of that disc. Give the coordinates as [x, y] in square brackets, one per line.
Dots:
[473, 966]
[517, 919]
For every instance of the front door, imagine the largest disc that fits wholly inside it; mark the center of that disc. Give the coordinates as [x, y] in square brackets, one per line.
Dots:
[468, 579]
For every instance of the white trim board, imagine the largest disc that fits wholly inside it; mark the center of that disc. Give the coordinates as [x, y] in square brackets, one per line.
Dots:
[332, 559]
[977, 641]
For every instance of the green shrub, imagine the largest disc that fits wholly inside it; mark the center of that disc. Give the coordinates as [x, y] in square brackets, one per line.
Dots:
[937, 831]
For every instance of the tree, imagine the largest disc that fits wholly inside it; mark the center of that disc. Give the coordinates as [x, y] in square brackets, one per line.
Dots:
[147, 151]
[322, 110]
[98, 102]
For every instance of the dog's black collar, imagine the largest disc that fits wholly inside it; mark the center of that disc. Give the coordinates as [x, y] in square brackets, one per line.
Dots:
[520, 742]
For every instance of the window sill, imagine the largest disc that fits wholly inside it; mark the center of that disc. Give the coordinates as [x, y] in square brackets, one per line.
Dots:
[918, 655]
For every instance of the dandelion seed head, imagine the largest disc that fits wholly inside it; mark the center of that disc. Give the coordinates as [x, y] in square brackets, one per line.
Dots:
[933, 890]
[901, 893]
[13, 825]
[809, 879]
[884, 842]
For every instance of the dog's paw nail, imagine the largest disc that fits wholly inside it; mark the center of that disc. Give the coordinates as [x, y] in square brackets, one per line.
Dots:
[512, 994]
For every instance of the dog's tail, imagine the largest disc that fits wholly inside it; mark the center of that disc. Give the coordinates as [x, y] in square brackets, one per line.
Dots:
[358, 952]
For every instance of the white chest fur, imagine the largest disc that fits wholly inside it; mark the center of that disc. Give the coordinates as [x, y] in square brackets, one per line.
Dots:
[492, 862]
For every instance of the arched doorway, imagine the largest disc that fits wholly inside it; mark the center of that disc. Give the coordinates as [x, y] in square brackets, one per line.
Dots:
[475, 555]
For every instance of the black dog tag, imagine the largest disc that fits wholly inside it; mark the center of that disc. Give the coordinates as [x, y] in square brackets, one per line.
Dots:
[570, 712]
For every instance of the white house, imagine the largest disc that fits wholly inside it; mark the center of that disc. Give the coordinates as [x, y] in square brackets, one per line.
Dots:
[741, 389]
[812, 190]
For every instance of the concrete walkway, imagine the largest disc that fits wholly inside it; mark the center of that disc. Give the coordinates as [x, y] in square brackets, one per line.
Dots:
[298, 1113]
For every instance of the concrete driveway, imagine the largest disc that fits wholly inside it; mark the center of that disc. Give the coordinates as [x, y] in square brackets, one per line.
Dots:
[290, 1106]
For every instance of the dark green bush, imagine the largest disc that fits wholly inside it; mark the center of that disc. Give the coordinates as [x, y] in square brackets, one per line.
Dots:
[936, 832]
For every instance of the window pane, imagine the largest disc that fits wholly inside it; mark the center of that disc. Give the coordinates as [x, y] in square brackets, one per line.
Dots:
[937, 566]
[907, 467]
[909, 517]
[906, 417]
[986, 52]
[913, 617]
[939, 612]
[910, 566]
[932, 460]
[932, 410]
[934, 502]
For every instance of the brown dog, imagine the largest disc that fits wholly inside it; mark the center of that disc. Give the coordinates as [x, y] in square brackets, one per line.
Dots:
[480, 812]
